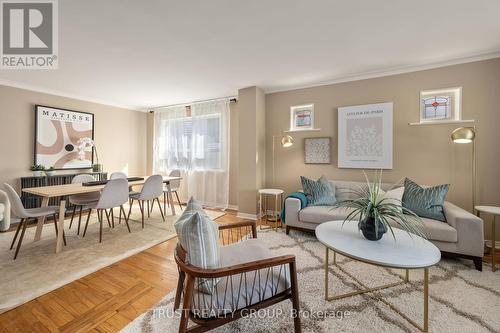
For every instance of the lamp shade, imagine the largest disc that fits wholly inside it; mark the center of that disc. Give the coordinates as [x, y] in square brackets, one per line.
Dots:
[463, 135]
[287, 141]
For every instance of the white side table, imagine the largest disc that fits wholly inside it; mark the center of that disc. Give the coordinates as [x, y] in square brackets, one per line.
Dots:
[493, 211]
[275, 219]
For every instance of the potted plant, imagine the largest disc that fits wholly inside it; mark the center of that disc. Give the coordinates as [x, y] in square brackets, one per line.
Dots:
[37, 170]
[50, 171]
[374, 212]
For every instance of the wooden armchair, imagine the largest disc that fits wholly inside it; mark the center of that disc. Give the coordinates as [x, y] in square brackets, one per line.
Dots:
[251, 279]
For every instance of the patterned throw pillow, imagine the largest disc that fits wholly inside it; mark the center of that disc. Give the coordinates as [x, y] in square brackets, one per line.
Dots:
[425, 202]
[318, 192]
[199, 237]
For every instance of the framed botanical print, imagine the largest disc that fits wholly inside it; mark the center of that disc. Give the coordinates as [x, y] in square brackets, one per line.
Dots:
[365, 136]
[302, 117]
[61, 136]
[317, 150]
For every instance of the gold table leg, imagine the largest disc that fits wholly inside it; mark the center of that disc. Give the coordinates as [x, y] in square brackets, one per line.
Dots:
[424, 328]
[493, 245]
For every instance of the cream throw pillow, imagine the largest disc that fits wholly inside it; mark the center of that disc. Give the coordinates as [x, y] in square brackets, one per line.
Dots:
[394, 196]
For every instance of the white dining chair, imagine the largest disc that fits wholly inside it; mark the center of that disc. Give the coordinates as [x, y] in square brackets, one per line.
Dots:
[174, 187]
[113, 195]
[118, 175]
[151, 191]
[81, 201]
[26, 214]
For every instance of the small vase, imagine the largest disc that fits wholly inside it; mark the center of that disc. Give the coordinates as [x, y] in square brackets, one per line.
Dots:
[37, 173]
[367, 227]
[97, 168]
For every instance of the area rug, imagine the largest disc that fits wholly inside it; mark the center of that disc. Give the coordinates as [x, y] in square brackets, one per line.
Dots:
[38, 269]
[461, 298]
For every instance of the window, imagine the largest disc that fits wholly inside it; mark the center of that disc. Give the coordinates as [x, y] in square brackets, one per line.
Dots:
[192, 143]
[440, 105]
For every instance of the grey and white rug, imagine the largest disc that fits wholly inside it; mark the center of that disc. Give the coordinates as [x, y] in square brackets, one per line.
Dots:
[461, 298]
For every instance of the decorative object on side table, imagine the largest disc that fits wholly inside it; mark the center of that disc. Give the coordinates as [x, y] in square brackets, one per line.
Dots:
[37, 170]
[87, 144]
[465, 135]
[365, 136]
[317, 150]
[374, 211]
[495, 211]
[50, 171]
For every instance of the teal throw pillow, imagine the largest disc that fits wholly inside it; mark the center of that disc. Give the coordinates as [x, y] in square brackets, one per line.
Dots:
[318, 192]
[425, 201]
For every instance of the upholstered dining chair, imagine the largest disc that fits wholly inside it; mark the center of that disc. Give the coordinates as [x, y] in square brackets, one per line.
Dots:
[151, 191]
[118, 175]
[250, 278]
[81, 201]
[26, 214]
[113, 195]
[174, 187]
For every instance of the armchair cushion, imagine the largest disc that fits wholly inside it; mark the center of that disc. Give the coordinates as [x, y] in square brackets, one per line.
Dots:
[238, 291]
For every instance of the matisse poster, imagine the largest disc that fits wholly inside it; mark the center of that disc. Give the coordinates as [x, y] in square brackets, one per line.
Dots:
[60, 136]
[365, 134]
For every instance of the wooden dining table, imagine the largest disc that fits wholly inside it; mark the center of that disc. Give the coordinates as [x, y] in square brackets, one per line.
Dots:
[56, 191]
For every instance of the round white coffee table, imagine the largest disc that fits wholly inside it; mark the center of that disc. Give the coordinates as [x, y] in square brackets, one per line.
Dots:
[405, 253]
[495, 211]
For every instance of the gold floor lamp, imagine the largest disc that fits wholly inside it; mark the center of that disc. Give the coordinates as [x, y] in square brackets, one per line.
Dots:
[286, 142]
[468, 135]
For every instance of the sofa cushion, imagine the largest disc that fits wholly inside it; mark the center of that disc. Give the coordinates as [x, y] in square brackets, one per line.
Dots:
[320, 214]
[439, 231]
[318, 192]
[241, 290]
[425, 202]
[2, 209]
[343, 189]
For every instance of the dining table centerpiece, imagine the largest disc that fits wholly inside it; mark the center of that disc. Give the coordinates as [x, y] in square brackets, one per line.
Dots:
[374, 211]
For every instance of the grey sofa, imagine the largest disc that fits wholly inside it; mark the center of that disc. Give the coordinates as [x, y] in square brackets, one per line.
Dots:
[461, 235]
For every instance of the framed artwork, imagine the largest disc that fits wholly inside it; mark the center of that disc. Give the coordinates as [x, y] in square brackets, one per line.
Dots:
[365, 136]
[440, 105]
[62, 138]
[317, 150]
[302, 117]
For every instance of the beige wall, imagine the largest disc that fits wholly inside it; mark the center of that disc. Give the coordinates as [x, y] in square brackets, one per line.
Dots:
[120, 134]
[233, 155]
[423, 153]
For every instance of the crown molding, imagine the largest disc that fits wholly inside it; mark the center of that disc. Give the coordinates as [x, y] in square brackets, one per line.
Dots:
[39, 89]
[389, 72]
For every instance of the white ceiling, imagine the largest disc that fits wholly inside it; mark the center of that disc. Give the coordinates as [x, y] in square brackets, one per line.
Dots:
[141, 54]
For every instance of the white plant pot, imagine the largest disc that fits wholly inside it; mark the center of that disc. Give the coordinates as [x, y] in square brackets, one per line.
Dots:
[37, 173]
[50, 173]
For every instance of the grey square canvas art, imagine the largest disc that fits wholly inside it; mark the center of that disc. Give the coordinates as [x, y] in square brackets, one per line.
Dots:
[317, 150]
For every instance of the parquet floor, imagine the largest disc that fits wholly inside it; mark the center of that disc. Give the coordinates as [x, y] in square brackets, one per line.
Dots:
[104, 301]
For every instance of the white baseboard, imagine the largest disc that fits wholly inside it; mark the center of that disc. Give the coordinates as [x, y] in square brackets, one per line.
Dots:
[247, 216]
[232, 207]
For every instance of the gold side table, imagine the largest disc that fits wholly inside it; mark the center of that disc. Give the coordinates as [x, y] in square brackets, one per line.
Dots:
[272, 221]
[493, 211]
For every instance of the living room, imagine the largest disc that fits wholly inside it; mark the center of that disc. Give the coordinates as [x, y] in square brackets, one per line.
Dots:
[330, 165]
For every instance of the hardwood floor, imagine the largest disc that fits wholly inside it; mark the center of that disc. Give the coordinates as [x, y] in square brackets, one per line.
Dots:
[104, 301]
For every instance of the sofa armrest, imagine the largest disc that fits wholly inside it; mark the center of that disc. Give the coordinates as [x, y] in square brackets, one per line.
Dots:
[469, 229]
[292, 209]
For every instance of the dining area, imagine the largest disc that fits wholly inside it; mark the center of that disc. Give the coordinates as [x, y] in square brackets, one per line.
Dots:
[110, 200]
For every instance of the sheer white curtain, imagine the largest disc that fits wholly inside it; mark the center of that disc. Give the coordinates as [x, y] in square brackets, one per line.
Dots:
[196, 141]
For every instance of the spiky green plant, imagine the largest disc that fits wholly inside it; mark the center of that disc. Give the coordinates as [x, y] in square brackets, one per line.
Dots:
[369, 202]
